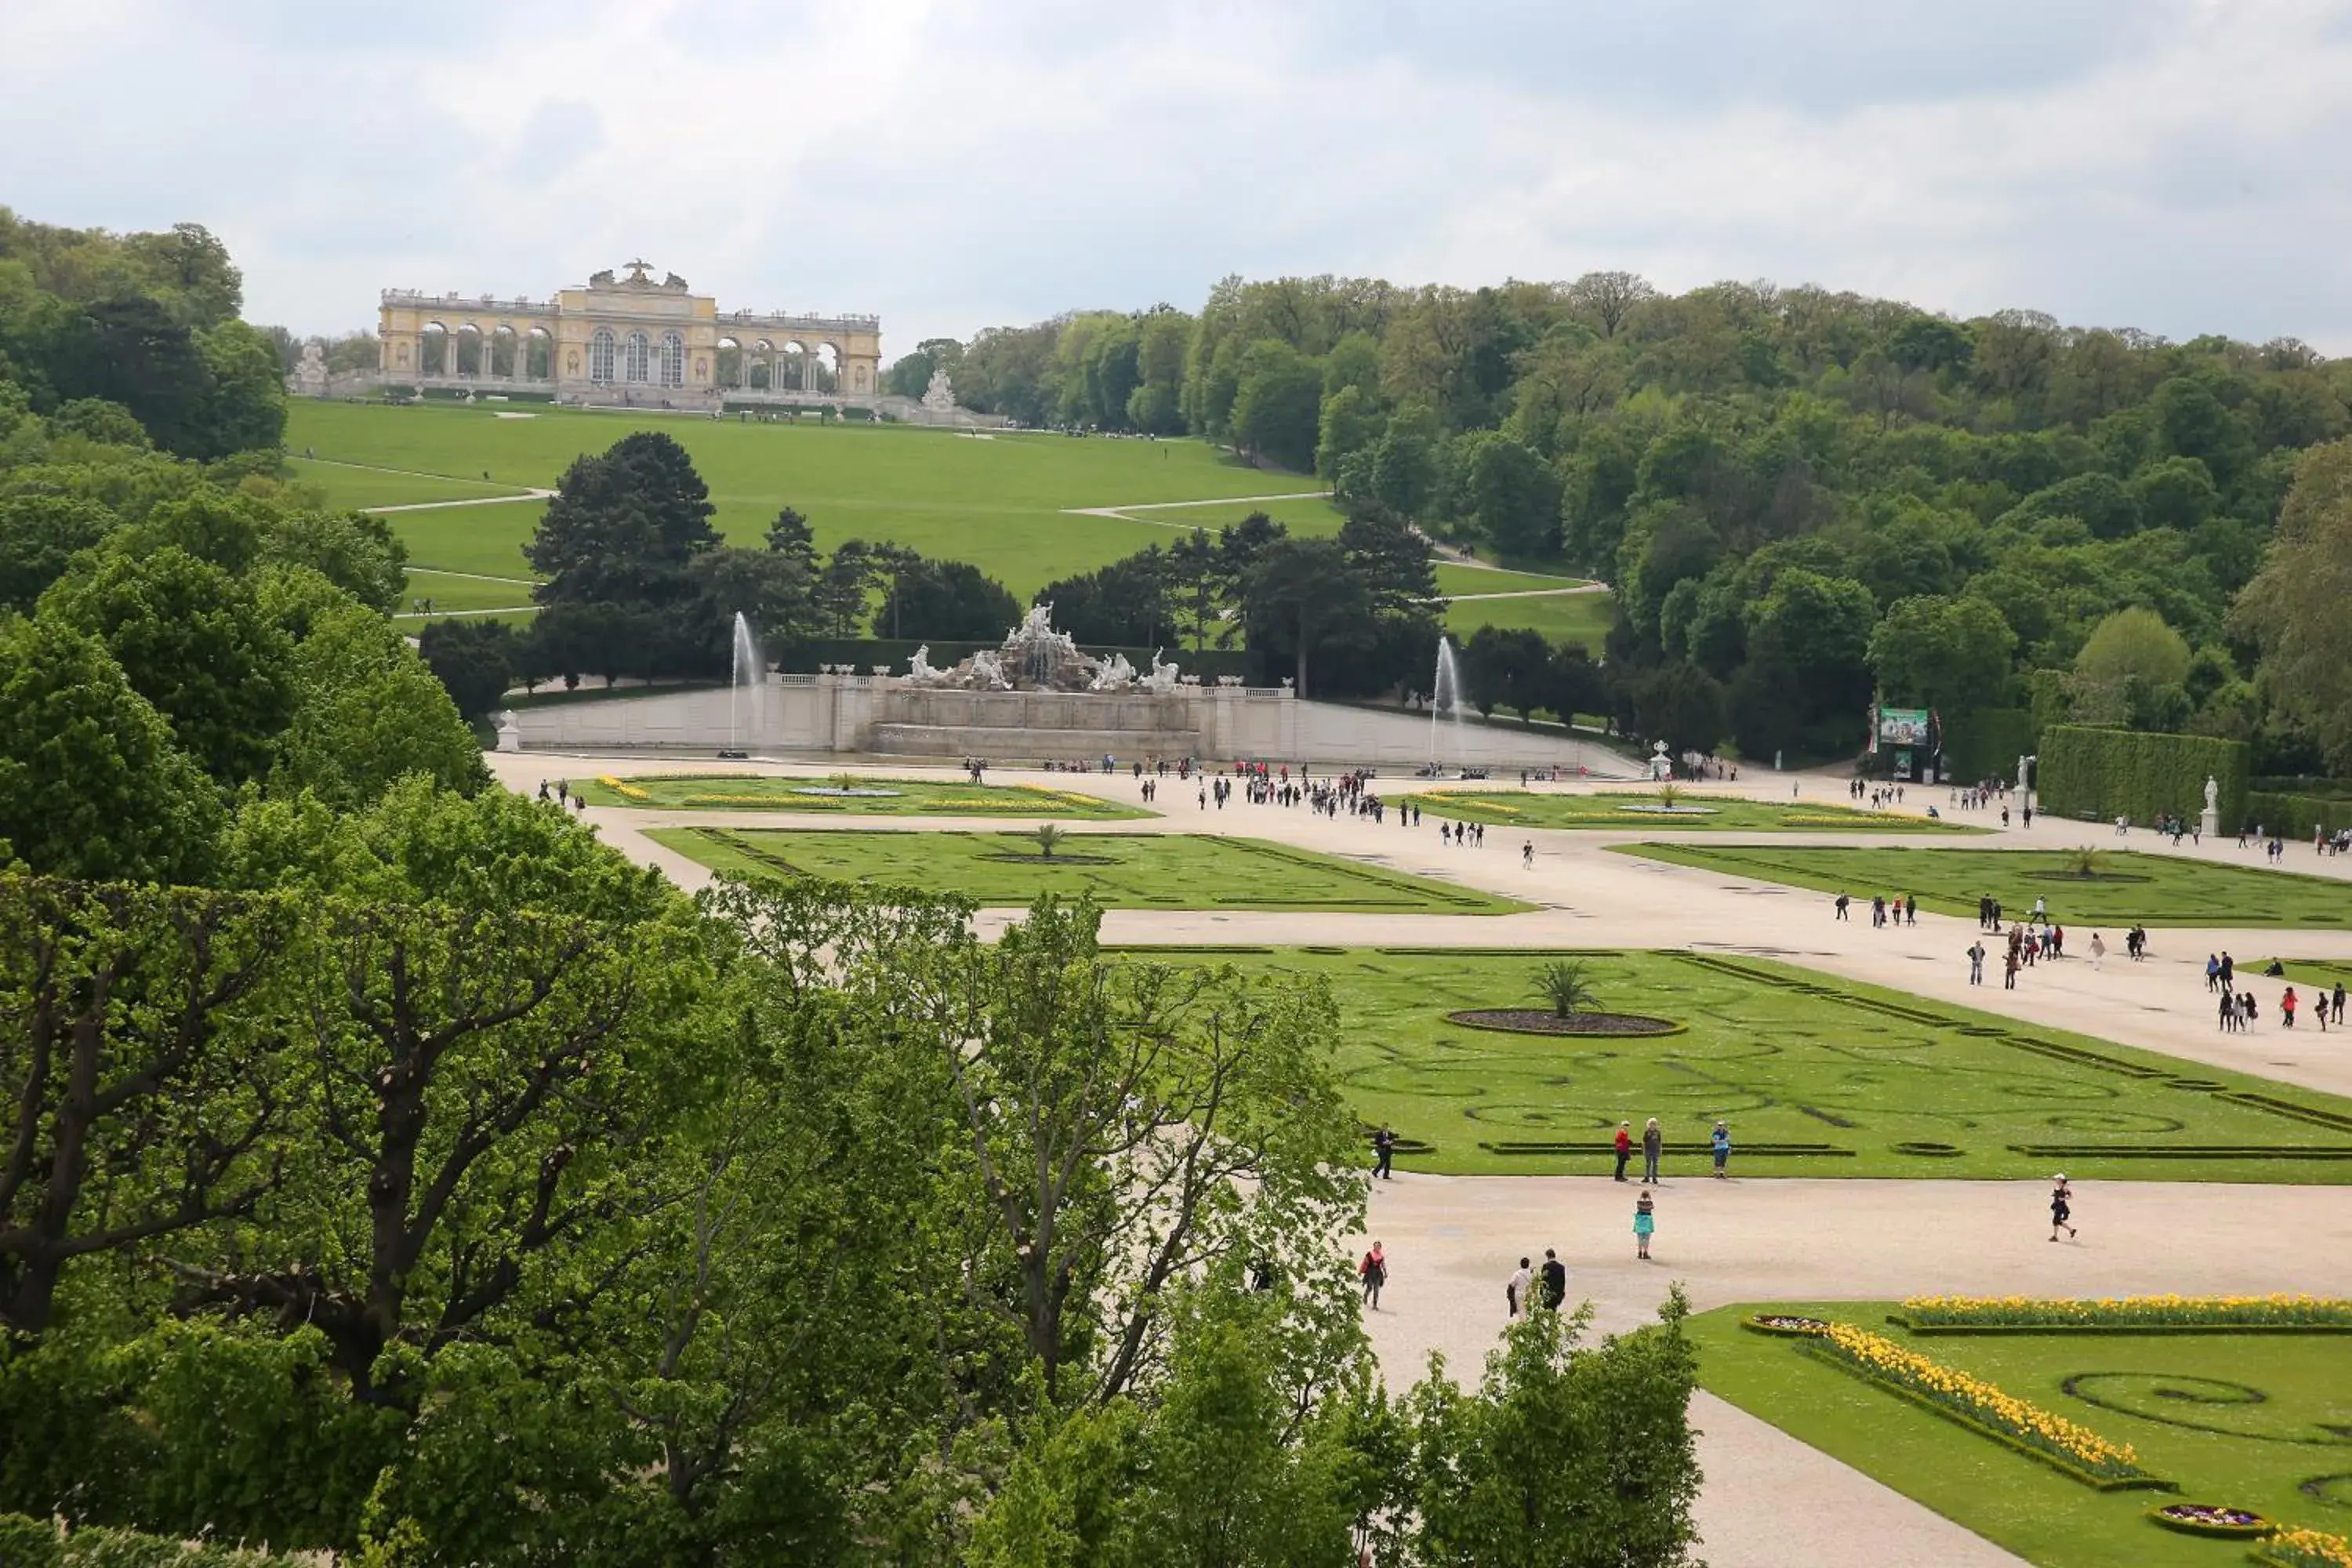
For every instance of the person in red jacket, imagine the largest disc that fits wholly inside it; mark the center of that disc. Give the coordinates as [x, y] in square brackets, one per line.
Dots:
[1624, 1147]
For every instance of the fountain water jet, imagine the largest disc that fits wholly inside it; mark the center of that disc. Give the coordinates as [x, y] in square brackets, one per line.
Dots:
[1445, 702]
[748, 670]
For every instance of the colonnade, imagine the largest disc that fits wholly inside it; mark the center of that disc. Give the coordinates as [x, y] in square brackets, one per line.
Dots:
[527, 343]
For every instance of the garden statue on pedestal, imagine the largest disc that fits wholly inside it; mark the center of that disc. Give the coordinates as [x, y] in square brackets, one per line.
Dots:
[940, 396]
[1661, 769]
[2209, 821]
[510, 732]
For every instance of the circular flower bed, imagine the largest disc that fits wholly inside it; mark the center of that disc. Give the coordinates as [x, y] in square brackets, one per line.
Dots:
[1786, 1323]
[836, 791]
[2206, 1519]
[1543, 1021]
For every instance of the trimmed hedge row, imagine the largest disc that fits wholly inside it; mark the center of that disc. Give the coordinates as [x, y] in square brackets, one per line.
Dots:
[1986, 744]
[2295, 815]
[2107, 773]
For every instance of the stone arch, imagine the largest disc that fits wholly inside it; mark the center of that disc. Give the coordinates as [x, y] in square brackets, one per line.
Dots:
[536, 350]
[793, 366]
[669, 359]
[506, 345]
[469, 342]
[604, 355]
[824, 368]
[636, 358]
[732, 364]
[433, 353]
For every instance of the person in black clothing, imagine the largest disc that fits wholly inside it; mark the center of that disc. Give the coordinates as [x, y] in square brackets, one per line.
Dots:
[1383, 1152]
[2062, 1208]
[1555, 1280]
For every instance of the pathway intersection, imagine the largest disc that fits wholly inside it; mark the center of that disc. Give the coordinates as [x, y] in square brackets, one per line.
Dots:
[1769, 1499]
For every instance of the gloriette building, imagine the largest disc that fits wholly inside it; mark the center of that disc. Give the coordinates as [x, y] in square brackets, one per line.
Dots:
[627, 340]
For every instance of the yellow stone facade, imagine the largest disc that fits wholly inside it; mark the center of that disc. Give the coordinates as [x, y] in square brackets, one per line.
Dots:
[628, 340]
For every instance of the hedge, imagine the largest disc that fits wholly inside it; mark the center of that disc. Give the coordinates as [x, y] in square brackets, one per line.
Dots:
[2295, 815]
[1987, 743]
[2105, 773]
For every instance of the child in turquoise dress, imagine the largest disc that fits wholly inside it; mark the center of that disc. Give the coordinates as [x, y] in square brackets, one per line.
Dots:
[1646, 1222]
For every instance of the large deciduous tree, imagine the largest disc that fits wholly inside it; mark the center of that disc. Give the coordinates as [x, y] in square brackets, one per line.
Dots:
[2293, 609]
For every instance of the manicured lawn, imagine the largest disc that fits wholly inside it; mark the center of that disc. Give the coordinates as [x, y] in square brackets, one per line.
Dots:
[997, 503]
[905, 797]
[1877, 1082]
[2154, 890]
[462, 591]
[1159, 871]
[2241, 1421]
[1453, 579]
[1563, 618]
[1620, 810]
[347, 486]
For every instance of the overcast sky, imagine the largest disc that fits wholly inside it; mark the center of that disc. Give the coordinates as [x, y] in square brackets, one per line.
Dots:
[2178, 165]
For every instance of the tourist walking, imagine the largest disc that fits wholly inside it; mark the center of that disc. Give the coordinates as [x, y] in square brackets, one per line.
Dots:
[1515, 1290]
[1841, 902]
[2286, 1009]
[2098, 949]
[1624, 1147]
[1528, 855]
[2339, 1001]
[1645, 1224]
[1375, 1272]
[1719, 1144]
[1383, 1152]
[1653, 1143]
[1976, 962]
[1555, 1280]
[2212, 972]
[2062, 1208]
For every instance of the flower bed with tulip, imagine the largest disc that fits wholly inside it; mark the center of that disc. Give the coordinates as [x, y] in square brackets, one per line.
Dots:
[2210, 1518]
[2065, 1446]
[2305, 1549]
[2127, 1314]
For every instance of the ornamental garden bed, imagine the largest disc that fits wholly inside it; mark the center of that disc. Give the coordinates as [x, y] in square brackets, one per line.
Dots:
[2212, 1518]
[1541, 1021]
[2119, 1314]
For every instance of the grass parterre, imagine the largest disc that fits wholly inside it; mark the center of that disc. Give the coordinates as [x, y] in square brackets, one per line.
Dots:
[2153, 890]
[1818, 1076]
[1635, 811]
[1121, 871]
[842, 794]
[2256, 1423]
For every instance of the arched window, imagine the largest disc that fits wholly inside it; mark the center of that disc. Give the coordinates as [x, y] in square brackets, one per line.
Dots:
[601, 354]
[673, 360]
[638, 365]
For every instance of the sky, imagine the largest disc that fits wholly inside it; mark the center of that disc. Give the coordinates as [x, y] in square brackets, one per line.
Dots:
[2174, 165]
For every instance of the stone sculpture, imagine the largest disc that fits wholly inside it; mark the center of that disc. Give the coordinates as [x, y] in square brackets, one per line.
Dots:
[940, 396]
[1117, 675]
[1034, 657]
[1163, 676]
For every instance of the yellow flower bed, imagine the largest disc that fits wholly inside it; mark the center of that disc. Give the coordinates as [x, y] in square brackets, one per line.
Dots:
[2283, 1311]
[2074, 1446]
[630, 792]
[2306, 1548]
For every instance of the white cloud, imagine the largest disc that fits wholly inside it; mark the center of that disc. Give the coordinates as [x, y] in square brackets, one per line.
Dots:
[952, 164]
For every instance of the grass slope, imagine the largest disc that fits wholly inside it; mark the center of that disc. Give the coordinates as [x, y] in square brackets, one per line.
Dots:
[1562, 617]
[2169, 1388]
[2155, 890]
[1608, 809]
[1788, 1056]
[1001, 503]
[909, 797]
[1161, 871]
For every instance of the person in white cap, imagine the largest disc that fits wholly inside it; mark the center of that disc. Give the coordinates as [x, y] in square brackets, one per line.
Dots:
[2061, 1206]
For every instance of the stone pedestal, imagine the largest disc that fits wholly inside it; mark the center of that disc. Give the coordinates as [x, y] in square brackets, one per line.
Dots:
[2209, 823]
[510, 732]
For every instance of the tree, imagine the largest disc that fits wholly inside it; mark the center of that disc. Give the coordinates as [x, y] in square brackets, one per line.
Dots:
[1514, 499]
[39, 534]
[1350, 422]
[623, 527]
[1300, 593]
[91, 784]
[1951, 655]
[946, 599]
[1566, 1455]
[142, 1055]
[367, 712]
[1681, 705]
[1814, 631]
[1572, 684]
[1607, 300]
[1124, 1126]
[2293, 609]
[1277, 404]
[474, 660]
[774, 590]
[1511, 668]
[790, 536]
[2134, 643]
[193, 642]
